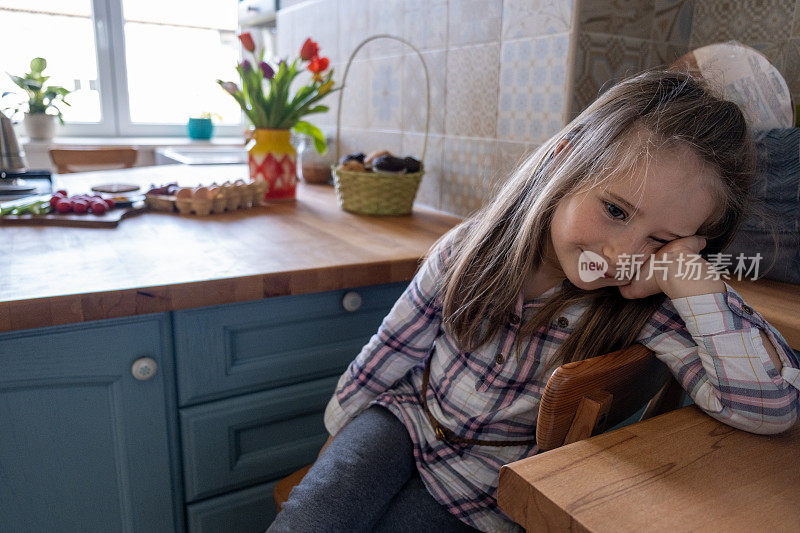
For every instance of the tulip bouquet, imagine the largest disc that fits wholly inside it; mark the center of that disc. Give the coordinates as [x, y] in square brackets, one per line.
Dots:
[264, 96]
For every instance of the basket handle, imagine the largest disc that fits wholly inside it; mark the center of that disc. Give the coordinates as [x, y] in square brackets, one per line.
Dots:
[344, 79]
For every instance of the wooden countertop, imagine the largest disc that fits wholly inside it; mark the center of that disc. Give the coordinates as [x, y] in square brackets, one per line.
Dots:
[682, 471]
[159, 262]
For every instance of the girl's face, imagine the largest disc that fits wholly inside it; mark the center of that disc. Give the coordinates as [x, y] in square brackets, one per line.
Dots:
[634, 214]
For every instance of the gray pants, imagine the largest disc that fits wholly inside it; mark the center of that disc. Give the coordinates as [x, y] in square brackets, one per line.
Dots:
[365, 480]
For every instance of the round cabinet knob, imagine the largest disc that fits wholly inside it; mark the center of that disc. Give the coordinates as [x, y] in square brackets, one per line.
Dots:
[351, 301]
[144, 368]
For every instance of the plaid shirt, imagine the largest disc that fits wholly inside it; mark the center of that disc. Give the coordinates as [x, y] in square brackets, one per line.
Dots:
[710, 342]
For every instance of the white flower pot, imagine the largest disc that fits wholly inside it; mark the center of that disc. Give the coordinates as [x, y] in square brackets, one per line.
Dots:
[39, 126]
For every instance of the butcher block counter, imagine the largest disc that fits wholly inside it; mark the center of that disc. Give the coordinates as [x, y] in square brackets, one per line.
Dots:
[162, 376]
[158, 262]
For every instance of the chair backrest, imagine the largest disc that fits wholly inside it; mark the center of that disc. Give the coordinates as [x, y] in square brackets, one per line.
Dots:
[583, 398]
[82, 159]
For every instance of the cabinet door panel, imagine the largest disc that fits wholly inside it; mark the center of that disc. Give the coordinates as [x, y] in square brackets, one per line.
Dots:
[83, 445]
[249, 439]
[246, 511]
[233, 349]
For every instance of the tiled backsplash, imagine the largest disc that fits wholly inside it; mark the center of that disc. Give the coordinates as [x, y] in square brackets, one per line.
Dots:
[506, 74]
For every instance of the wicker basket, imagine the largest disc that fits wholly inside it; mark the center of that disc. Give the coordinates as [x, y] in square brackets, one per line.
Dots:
[378, 193]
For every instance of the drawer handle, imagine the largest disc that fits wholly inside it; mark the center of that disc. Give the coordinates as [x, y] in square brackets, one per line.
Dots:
[144, 368]
[351, 301]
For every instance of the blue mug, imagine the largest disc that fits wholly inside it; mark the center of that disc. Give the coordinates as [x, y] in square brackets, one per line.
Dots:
[200, 128]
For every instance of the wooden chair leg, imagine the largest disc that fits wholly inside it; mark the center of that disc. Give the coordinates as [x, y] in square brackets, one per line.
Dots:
[590, 417]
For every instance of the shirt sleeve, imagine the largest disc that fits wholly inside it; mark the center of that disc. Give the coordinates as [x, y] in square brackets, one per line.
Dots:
[403, 340]
[713, 346]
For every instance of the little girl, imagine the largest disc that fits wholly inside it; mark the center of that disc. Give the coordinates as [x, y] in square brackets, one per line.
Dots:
[447, 391]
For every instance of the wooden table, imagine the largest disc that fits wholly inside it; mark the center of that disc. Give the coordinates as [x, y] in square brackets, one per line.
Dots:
[676, 472]
[159, 262]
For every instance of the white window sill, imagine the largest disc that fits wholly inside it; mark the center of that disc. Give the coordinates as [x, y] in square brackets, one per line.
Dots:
[38, 152]
[137, 142]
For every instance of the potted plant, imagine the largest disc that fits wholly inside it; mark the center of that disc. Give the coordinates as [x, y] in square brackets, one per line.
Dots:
[266, 101]
[42, 105]
[201, 127]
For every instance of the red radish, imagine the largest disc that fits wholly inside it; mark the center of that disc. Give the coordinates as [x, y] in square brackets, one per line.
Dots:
[80, 206]
[54, 200]
[99, 207]
[64, 206]
[109, 203]
[62, 191]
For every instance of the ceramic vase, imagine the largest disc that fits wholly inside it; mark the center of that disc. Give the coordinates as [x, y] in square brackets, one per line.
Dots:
[273, 159]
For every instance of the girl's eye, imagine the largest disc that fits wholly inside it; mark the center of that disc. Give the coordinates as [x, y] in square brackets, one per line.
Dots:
[614, 211]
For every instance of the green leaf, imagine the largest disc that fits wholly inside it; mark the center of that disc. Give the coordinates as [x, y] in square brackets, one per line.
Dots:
[306, 128]
[318, 109]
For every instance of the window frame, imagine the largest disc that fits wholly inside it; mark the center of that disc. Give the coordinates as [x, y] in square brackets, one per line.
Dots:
[112, 82]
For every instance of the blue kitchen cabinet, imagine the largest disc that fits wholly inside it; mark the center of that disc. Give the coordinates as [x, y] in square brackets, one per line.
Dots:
[254, 379]
[84, 445]
[231, 399]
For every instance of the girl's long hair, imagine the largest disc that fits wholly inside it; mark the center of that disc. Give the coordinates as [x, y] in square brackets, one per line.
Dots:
[495, 249]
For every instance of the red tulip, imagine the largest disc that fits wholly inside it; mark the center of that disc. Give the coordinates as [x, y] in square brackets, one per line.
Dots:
[309, 50]
[318, 64]
[247, 41]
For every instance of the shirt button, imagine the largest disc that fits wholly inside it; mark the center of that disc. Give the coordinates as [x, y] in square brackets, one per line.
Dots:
[499, 358]
[514, 319]
[563, 322]
[747, 309]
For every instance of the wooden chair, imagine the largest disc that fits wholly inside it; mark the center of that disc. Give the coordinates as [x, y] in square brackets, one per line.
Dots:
[82, 159]
[584, 398]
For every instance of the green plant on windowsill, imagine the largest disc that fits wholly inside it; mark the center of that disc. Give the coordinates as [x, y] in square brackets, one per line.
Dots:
[41, 98]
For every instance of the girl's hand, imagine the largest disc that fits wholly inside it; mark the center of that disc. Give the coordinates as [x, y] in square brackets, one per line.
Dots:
[671, 273]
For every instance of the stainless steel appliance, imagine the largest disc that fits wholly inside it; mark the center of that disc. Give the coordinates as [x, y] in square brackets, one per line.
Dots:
[15, 177]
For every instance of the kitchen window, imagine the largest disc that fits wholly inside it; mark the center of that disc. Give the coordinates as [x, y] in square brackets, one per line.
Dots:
[137, 67]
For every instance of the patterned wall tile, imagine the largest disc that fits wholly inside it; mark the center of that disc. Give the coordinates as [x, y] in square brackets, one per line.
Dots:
[474, 21]
[426, 24]
[355, 101]
[414, 98]
[471, 99]
[532, 88]
[796, 21]
[353, 28]
[663, 54]
[672, 21]
[600, 59]
[510, 156]
[386, 17]
[318, 20]
[748, 21]
[470, 171]
[429, 188]
[631, 18]
[386, 93]
[533, 18]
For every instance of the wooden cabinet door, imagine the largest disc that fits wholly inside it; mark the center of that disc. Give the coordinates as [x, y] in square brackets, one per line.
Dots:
[85, 446]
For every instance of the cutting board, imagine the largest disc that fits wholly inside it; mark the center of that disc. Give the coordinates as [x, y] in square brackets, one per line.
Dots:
[109, 219]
